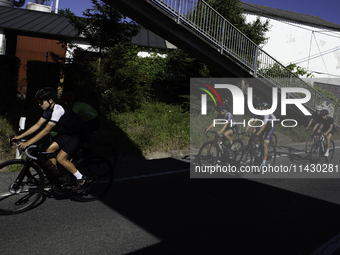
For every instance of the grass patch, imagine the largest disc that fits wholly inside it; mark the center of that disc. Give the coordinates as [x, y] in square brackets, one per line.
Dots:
[156, 126]
[6, 129]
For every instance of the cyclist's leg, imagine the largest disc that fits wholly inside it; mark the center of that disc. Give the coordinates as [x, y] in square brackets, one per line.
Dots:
[328, 139]
[52, 149]
[228, 134]
[68, 146]
[266, 141]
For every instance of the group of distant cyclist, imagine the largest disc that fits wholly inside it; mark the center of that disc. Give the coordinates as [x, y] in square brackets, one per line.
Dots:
[322, 124]
[265, 130]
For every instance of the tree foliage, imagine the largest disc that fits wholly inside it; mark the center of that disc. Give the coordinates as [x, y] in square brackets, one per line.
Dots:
[103, 26]
[233, 12]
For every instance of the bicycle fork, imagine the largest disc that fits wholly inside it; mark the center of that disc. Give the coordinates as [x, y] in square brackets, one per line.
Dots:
[16, 186]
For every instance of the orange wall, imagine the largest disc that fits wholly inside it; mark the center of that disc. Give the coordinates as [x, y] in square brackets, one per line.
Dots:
[33, 48]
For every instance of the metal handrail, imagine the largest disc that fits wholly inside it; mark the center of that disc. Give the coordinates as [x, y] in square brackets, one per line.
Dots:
[203, 20]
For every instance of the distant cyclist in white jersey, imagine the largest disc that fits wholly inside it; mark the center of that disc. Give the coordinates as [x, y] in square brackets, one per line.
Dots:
[267, 129]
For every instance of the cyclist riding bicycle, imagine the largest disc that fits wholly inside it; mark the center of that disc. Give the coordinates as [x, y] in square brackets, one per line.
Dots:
[316, 118]
[86, 111]
[327, 127]
[267, 129]
[229, 128]
[72, 132]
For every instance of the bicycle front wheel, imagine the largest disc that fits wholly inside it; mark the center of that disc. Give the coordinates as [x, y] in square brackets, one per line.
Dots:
[100, 172]
[16, 198]
[232, 149]
[314, 154]
[208, 154]
[271, 158]
[309, 144]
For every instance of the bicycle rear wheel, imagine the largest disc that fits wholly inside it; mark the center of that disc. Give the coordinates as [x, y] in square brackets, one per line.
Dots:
[105, 150]
[100, 172]
[208, 154]
[16, 198]
[273, 141]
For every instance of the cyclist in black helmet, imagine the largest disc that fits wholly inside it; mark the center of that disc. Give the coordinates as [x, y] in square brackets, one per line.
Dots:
[327, 128]
[72, 132]
[229, 128]
[85, 111]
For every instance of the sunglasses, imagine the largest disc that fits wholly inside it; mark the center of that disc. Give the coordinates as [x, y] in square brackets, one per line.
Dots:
[40, 102]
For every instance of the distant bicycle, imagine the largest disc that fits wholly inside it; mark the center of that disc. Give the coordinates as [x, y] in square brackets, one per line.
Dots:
[252, 154]
[311, 139]
[216, 152]
[23, 181]
[318, 149]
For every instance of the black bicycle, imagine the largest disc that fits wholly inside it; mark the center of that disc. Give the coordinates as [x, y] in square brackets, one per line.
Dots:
[311, 139]
[216, 151]
[318, 149]
[23, 181]
[252, 154]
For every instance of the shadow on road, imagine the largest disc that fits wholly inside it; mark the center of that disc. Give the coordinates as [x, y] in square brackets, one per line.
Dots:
[222, 216]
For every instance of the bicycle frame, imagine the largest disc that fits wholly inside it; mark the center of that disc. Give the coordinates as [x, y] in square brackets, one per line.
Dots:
[29, 162]
[251, 144]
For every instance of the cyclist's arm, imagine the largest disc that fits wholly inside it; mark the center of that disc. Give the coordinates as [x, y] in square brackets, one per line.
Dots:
[32, 129]
[310, 123]
[316, 126]
[39, 136]
[261, 129]
[329, 130]
[212, 124]
[224, 127]
[248, 126]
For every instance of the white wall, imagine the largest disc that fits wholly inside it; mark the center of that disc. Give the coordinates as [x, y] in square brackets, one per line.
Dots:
[313, 48]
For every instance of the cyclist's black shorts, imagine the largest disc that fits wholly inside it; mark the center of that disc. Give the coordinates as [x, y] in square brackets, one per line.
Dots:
[71, 142]
[234, 129]
[333, 131]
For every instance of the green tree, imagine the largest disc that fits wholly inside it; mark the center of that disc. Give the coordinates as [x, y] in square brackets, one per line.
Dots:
[233, 12]
[103, 26]
[110, 75]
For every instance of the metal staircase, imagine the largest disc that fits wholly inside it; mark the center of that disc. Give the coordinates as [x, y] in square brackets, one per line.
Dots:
[195, 26]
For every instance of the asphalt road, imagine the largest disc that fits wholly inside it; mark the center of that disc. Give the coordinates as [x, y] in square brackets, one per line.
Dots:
[155, 208]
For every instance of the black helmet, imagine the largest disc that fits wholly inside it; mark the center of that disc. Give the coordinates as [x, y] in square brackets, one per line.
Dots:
[46, 93]
[324, 112]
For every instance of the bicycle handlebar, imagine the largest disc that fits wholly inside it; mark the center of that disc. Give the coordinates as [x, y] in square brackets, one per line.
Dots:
[214, 132]
[18, 141]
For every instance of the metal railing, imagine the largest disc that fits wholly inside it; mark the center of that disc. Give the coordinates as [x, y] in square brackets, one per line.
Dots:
[203, 20]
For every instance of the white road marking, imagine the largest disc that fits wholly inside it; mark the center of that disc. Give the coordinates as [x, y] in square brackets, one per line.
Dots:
[150, 175]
